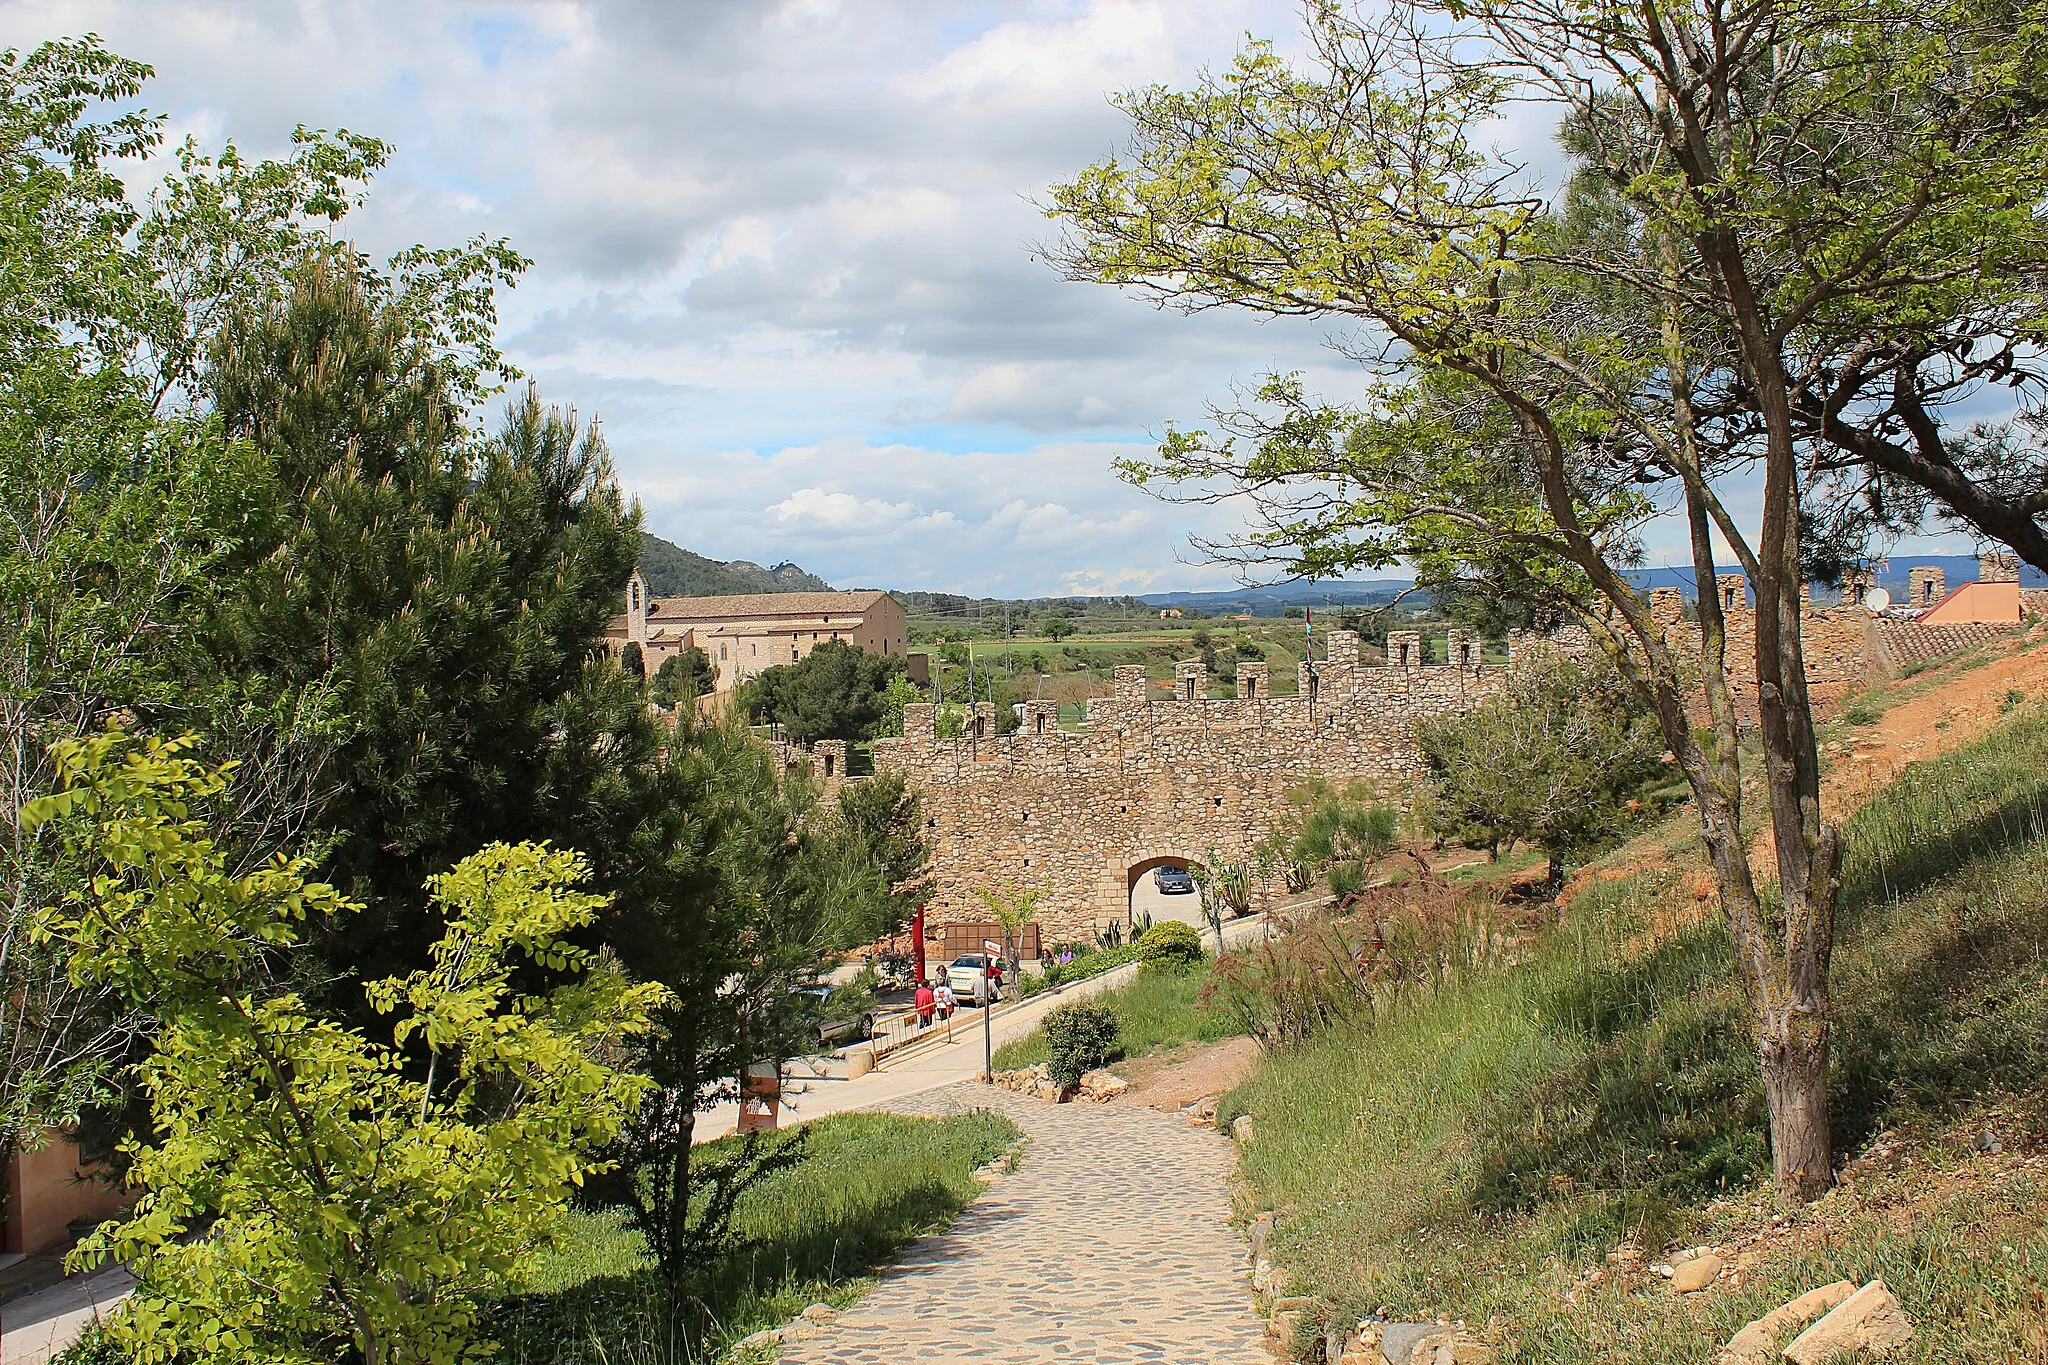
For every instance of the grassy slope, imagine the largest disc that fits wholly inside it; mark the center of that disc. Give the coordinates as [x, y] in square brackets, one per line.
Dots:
[871, 1184]
[1156, 1010]
[1480, 1154]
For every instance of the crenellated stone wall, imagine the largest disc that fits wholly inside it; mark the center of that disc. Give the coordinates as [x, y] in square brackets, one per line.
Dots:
[1173, 775]
[1157, 778]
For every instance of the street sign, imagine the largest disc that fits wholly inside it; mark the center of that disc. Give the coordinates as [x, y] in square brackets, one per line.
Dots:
[988, 946]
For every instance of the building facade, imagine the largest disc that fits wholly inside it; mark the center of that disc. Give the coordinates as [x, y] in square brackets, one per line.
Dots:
[742, 635]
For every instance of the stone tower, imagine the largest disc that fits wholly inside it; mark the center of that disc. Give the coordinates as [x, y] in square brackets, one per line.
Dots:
[1926, 584]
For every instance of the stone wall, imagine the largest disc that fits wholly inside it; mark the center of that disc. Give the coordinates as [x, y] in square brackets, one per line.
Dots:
[1157, 779]
[1152, 779]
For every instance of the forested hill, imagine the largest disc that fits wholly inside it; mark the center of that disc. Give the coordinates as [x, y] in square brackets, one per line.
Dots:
[672, 571]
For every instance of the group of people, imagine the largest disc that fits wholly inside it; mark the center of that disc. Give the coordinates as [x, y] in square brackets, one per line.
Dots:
[935, 1002]
[936, 999]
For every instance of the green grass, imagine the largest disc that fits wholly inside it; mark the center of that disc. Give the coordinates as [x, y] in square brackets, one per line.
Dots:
[1156, 1010]
[1481, 1152]
[871, 1184]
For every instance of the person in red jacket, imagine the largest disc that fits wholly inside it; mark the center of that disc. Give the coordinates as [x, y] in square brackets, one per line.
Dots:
[927, 1002]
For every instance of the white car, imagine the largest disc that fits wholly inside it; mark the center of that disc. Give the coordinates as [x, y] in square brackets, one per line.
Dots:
[967, 969]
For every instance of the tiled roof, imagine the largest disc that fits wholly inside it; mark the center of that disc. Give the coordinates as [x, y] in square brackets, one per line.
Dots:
[759, 604]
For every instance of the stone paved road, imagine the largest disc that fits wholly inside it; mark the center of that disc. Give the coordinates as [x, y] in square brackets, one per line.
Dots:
[1108, 1244]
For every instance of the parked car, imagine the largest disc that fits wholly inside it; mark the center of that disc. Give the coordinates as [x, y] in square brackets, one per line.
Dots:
[834, 1016]
[965, 970]
[1174, 881]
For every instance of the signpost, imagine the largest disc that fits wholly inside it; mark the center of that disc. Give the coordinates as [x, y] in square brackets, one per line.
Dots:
[988, 1010]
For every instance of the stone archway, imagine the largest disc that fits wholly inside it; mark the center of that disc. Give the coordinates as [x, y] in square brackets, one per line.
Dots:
[1141, 892]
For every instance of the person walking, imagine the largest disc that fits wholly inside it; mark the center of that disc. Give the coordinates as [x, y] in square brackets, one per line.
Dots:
[926, 1004]
[946, 1000]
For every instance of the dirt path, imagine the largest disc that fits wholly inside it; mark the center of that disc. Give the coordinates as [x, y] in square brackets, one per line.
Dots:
[1951, 713]
[1108, 1242]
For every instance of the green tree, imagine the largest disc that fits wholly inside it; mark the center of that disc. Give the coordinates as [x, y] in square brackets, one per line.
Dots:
[1013, 909]
[834, 692]
[345, 1202]
[681, 678]
[1560, 757]
[884, 819]
[1226, 885]
[1558, 374]
[1056, 628]
[759, 886]
[415, 612]
[122, 507]
[900, 692]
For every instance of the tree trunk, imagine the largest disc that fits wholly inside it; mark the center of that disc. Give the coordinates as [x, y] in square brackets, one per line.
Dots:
[1794, 1052]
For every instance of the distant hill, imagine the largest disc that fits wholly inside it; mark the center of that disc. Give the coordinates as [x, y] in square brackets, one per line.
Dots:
[1276, 599]
[672, 571]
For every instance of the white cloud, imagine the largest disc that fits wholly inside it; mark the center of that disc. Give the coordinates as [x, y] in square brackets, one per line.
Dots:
[840, 511]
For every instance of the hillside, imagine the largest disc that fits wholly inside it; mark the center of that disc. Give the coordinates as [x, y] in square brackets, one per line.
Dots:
[1518, 1143]
[672, 571]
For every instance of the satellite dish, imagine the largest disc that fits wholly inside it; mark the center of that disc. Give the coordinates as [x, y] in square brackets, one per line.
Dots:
[1877, 599]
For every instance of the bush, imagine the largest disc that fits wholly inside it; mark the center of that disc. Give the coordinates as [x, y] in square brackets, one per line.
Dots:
[1170, 944]
[1091, 963]
[1081, 1037]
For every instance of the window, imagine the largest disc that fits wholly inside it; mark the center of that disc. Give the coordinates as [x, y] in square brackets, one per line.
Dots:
[721, 653]
[793, 655]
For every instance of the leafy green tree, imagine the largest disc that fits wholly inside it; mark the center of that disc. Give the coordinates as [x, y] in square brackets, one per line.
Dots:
[352, 1212]
[759, 885]
[900, 692]
[1013, 909]
[681, 678]
[1560, 757]
[1056, 628]
[122, 507]
[633, 660]
[1226, 885]
[884, 819]
[1558, 373]
[834, 692]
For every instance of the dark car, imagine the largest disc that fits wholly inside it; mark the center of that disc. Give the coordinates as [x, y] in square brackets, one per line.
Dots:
[1174, 881]
[835, 1016]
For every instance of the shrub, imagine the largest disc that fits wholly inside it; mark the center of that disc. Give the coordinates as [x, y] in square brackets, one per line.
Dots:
[1080, 1036]
[1091, 963]
[1170, 943]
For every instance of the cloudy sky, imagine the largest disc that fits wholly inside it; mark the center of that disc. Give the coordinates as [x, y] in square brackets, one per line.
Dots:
[782, 248]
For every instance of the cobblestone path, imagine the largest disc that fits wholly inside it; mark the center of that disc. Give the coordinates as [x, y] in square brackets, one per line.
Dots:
[1108, 1243]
